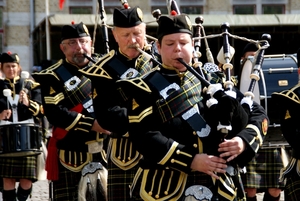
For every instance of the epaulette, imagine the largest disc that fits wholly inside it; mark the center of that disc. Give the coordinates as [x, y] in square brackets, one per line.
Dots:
[292, 94]
[33, 83]
[97, 69]
[49, 70]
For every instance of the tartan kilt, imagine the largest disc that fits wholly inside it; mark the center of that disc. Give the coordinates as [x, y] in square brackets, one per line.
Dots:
[292, 187]
[119, 181]
[19, 167]
[263, 171]
[66, 187]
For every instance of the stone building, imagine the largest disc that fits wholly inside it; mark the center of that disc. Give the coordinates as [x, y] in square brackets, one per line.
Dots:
[24, 27]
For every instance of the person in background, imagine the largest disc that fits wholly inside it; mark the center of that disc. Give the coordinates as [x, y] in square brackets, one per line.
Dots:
[289, 113]
[125, 62]
[77, 138]
[19, 114]
[171, 126]
[263, 171]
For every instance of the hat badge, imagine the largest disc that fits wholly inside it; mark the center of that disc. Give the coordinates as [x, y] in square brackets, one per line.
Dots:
[189, 23]
[140, 13]
[86, 29]
[17, 58]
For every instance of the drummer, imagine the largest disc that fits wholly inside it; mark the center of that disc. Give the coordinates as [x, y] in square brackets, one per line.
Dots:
[262, 173]
[25, 94]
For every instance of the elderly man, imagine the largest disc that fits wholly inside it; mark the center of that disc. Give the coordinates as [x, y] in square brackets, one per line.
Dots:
[123, 63]
[67, 99]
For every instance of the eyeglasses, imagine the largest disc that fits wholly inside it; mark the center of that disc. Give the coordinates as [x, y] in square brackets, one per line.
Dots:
[73, 43]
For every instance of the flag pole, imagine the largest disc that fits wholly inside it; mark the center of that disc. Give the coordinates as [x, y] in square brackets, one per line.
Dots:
[47, 29]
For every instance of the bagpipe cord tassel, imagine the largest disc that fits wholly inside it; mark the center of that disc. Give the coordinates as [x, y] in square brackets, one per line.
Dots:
[89, 191]
[100, 191]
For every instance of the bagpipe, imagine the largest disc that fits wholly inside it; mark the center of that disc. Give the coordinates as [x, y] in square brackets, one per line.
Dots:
[224, 57]
[224, 96]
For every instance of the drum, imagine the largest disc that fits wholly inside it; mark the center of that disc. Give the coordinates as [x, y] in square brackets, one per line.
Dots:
[17, 140]
[278, 72]
[245, 79]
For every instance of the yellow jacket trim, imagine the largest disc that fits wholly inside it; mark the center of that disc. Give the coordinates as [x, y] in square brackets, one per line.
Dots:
[171, 196]
[290, 94]
[74, 122]
[232, 192]
[141, 116]
[200, 146]
[120, 163]
[35, 106]
[77, 168]
[135, 179]
[178, 162]
[169, 154]
[258, 133]
[50, 70]
[96, 69]
[33, 83]
[139, 83]
[54, 99]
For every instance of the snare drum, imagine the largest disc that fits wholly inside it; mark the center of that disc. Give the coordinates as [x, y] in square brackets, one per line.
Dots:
[278, 73]
[18, 140]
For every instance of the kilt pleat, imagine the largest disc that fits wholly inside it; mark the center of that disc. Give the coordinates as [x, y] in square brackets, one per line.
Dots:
[119, 181]
[264, 170]
[292, 188]
[66, 188]
[19, 167]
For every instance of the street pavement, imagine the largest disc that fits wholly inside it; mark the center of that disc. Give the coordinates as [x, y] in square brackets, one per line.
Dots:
[40, 191]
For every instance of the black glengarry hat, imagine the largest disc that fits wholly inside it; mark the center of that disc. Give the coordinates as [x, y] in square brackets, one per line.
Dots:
[174, 24]
[127, 18]
[9, 57]
[250, 47]
[74, 31]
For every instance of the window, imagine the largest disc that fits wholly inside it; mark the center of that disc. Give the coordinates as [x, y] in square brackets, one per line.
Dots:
[185, 6]
[259, 6]
[82, 6]
[273, 9]
[244, 9]
[183, 9]
[191, 9]
[110, 5]
[81, 10]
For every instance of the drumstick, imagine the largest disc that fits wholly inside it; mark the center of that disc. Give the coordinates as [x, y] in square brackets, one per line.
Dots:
[7, 93]
[25, 75]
